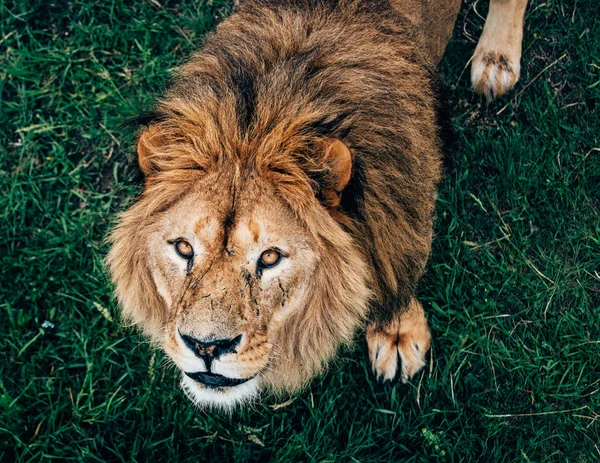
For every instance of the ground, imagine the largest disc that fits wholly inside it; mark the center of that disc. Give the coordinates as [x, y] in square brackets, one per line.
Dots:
[512, 290]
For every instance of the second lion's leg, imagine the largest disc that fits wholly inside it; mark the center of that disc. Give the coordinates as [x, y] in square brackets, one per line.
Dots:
[496, 63]
[400, 344]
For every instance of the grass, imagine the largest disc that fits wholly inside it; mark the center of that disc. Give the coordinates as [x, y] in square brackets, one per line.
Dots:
[512, 289]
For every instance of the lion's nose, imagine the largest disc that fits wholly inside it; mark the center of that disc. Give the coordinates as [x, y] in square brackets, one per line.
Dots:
[209, 350]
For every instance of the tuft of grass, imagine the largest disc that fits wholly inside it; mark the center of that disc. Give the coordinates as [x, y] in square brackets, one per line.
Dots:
[512, 289]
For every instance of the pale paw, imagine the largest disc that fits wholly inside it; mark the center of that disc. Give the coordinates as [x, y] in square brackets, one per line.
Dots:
[401, 345]
[493, 74]
[383, 352]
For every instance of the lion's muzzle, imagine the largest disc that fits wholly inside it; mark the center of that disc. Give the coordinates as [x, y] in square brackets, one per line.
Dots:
[219, 372]
[212, 371]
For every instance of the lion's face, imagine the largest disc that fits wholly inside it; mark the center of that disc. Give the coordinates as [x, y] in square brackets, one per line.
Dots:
[235, 267]
[230, 266]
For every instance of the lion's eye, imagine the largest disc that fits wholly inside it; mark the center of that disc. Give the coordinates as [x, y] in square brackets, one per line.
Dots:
[269, 258]
[184, 249]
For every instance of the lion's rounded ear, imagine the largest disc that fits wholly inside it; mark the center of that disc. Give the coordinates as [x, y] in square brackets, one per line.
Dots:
[338, 160]
[149, 142]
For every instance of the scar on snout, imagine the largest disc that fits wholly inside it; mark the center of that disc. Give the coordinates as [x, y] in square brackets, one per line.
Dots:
[282, 293]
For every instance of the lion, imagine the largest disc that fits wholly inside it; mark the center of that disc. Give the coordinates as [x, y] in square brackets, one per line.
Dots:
[290, 176]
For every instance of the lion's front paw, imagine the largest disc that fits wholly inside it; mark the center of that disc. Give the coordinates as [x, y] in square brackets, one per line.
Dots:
[406, 339]
[493, 73]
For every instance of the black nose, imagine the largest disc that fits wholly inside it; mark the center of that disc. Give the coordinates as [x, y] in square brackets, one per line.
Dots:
[210, 350]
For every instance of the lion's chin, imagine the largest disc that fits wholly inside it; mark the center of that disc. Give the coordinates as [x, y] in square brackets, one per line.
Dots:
[222, 398]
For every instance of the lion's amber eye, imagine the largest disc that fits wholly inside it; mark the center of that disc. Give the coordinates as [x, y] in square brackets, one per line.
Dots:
[184, 249]
[269, 258]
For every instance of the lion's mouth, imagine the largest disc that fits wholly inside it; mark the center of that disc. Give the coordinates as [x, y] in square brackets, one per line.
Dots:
[213, 380]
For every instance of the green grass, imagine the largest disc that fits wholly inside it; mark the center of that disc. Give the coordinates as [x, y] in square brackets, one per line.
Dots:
[512, 289]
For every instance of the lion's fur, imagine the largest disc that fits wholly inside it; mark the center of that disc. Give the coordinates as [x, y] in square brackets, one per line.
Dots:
[254, 105]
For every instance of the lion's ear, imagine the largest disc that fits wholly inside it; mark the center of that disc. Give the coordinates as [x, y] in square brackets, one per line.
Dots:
[338, 161]
[149, 142]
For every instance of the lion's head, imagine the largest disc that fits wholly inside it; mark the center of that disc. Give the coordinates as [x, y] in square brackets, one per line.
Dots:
[232, 264]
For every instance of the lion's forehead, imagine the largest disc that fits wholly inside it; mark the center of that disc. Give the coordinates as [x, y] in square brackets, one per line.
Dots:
[210, 222]
[248, 231]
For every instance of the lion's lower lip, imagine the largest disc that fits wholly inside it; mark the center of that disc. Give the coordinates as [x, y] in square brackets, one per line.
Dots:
[213, 380]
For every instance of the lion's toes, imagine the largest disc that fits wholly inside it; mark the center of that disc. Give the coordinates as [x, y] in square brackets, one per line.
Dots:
[401, 345]
[383, 352]
[493, 74]
[412, 351]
